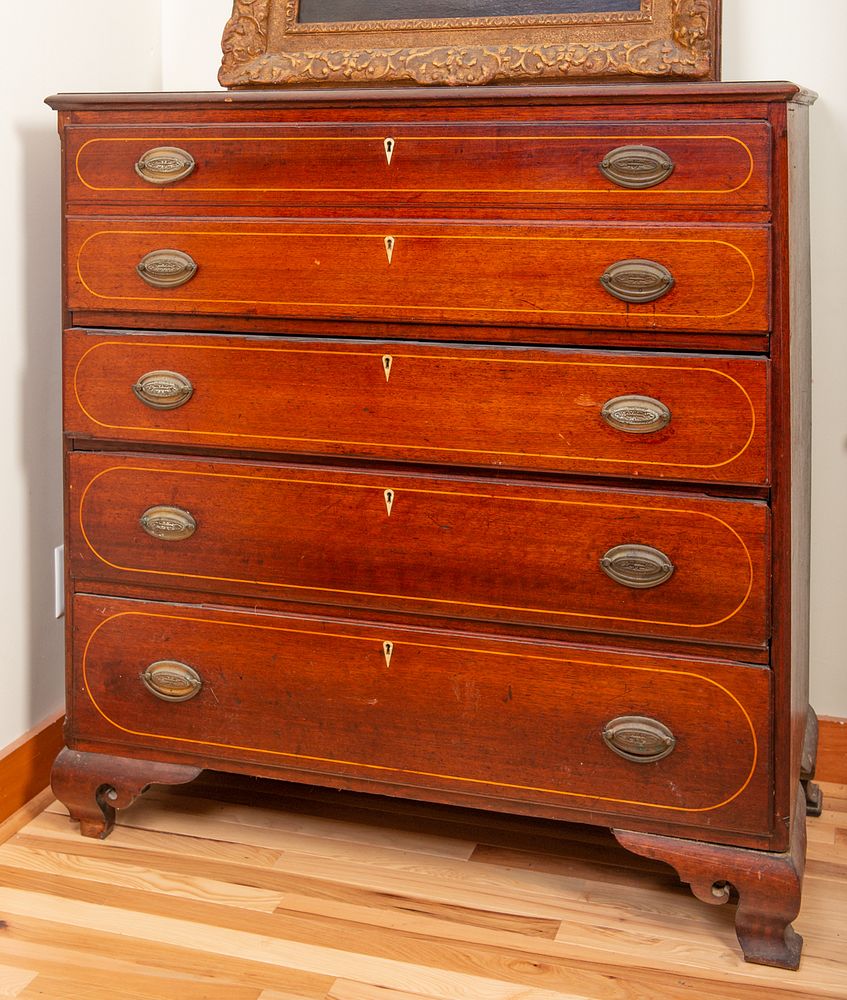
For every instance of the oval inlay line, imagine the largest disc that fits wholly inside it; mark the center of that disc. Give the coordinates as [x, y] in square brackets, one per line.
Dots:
[380, 768]
[406, 597]
[446, 138]
[411, 445]
[394, 306]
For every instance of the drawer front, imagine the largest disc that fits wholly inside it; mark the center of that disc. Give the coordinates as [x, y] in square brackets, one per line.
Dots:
[696, 418]
[713, 164]
[455, 547]
[698, 278]
[471, 715]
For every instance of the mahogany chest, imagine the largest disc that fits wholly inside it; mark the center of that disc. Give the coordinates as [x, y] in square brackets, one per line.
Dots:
[451, 445]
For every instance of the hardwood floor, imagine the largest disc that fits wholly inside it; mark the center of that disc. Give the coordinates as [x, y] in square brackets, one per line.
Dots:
[272, 892]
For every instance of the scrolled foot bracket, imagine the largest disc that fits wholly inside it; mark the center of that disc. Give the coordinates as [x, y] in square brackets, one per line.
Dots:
[93, 786]
[768, 885]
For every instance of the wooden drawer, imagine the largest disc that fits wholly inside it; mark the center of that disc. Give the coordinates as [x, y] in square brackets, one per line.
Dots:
[456, 547]
[712, 164]
[428, 710]
[532, 409]
[537, 275]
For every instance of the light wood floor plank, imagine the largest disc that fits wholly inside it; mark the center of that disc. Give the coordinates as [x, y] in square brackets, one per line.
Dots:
[131, 988]
[276, 995]
[139, 876]
[57, 826]
[193, 898]
[13, 981]
[81, 965]
[54, 947]
[834, 791]
[25, 815]
[261, 826]
[362, 991]
[236, 943]
[502, 957]
[302, 894]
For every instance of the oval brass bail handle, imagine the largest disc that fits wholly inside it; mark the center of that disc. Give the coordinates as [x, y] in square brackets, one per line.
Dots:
[636, 167]
[163, 390]
[165, 165]
[168, 524]
[166, 268]
[637, 566]
[637, 280]
[171, 680]
[639, 739]
[636, 414]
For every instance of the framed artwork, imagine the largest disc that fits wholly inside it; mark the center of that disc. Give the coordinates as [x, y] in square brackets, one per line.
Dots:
[459, 42]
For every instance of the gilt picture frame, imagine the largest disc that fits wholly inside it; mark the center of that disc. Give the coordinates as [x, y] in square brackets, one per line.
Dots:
[274, 43]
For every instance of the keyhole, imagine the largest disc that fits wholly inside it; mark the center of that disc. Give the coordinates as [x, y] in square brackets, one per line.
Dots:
[389, 149]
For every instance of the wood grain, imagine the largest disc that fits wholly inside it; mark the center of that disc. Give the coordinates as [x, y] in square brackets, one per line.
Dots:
[527, 275]
[543, 409]
[25, 765]
[732, 99]
[832, 751]
[408, 927]
[716, 165]
[464, 548]
[327, 700]
[448, 551]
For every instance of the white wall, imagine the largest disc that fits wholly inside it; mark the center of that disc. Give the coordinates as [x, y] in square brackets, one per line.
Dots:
[101, 45]
[95, 45]
[191, 43]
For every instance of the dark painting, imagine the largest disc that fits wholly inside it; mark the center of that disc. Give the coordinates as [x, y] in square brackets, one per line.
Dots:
[322, 11]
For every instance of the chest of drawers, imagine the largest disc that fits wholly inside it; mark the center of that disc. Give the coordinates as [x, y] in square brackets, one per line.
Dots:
[450, 445]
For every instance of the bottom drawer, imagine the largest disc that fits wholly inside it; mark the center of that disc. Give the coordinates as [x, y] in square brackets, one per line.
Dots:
[680, 742]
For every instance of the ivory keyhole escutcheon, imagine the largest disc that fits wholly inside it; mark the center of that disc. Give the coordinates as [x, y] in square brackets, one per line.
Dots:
[389, 247]
[389, 501]
[387, 362]
[389, 145]
[388, 652]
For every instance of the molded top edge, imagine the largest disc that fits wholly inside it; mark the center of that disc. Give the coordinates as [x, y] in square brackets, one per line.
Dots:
[259, 98]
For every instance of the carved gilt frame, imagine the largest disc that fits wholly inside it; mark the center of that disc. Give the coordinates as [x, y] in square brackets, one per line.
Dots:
[265, 44]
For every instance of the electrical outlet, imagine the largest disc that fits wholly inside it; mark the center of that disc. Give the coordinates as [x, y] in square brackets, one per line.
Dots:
[59, 581]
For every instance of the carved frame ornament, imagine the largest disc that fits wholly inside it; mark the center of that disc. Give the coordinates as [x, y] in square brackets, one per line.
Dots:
[265, 44]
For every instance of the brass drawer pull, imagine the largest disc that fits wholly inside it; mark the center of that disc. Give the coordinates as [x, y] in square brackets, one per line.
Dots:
[636, 414]
[165, 165]
[166, 268]
[639, 739]
[637, 280]
[637, 566]
[637, 167]
[171, 680]
[169, 524]
[163, 390]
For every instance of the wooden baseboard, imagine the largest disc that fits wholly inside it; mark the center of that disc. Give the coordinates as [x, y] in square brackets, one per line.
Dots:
[832, 751]
[25, 765]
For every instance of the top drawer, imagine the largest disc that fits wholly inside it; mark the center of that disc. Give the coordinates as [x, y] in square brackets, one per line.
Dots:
[629, 165]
